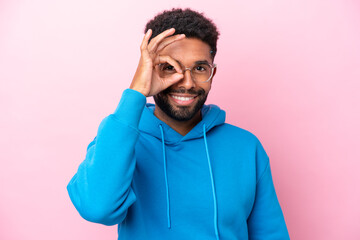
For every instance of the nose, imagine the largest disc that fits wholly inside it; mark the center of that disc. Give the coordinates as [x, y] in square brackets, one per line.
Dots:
[187, 82]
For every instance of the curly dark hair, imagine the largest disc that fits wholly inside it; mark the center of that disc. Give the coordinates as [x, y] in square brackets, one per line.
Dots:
[186, 21]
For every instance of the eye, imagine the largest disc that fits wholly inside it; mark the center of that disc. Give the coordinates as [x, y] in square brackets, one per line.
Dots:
[167, 67]
[201, 68]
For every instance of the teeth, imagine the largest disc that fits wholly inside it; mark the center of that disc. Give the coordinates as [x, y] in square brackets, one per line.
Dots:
[182, 98]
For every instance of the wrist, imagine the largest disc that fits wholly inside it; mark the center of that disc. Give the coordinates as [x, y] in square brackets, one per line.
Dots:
[140, 90]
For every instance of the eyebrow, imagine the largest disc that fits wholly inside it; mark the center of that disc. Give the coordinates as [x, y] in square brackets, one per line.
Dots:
[202, 62]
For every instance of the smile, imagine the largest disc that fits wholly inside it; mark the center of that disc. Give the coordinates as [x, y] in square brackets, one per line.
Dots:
[182, 100]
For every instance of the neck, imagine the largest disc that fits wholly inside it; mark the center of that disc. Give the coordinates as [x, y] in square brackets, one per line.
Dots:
[182, 127]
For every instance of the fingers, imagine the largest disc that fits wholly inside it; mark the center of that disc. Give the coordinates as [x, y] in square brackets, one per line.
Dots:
[144, 43]
[173, 79]
[168, 41]
[159, 42]
[153, 45]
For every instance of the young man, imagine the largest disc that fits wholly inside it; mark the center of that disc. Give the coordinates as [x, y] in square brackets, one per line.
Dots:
[175, 170]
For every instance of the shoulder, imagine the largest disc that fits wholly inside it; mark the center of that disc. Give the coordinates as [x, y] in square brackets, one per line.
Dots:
[234, 133]
[243, 141]
[241, 138]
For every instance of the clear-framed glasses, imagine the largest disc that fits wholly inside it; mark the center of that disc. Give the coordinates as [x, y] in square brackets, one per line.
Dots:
[200, 71]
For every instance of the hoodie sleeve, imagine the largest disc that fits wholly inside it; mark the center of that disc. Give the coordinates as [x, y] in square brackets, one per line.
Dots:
[266, 220]
[100, 190]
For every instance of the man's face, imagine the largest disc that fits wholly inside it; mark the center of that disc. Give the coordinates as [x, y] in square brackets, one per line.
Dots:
[183, 100]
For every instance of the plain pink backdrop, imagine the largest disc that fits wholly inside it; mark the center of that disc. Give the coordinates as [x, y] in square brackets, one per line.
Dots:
[288, 71]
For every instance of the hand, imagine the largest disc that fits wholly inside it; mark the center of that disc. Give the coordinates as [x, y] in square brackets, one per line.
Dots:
[146, 79]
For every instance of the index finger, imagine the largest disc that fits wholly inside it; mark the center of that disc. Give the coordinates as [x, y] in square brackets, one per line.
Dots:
[159, 38]
[168, 41]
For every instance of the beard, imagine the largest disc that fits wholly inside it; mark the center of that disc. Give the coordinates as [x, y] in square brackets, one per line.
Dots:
[180, 113]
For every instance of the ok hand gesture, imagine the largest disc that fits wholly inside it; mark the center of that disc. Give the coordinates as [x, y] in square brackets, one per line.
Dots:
[146, 79]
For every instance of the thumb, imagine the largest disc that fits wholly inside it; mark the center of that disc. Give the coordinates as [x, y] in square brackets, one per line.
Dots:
[176, 77]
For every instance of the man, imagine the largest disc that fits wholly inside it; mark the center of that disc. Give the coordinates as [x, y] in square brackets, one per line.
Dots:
[175, 170]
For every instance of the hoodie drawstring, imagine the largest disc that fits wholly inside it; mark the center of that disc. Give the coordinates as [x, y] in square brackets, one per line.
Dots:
[212, 185]
[165, 174]
[211, 177]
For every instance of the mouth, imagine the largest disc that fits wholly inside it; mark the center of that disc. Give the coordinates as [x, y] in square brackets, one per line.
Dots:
[182, 100]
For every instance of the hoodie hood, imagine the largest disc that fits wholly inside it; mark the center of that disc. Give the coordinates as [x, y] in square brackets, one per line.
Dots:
[211, 114]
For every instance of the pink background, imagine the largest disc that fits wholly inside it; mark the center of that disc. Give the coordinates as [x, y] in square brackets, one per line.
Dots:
[288, 71]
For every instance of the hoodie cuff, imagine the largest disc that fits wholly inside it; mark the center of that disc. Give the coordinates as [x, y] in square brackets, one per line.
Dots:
[130, 107]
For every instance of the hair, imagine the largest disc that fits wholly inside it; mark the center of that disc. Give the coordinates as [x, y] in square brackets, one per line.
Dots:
[186, 21]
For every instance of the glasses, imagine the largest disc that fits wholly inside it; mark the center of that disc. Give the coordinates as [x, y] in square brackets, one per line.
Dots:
[200, 72]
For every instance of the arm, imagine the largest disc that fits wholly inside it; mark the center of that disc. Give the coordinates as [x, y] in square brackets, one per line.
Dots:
[266, 220]
[100, 190]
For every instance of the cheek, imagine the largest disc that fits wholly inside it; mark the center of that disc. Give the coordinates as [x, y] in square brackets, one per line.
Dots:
[206, 88]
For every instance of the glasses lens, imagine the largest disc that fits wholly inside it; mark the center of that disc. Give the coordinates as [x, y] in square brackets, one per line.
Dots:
[166, 70]
[201, 72]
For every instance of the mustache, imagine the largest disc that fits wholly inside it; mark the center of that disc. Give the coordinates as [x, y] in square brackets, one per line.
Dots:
[191, 91]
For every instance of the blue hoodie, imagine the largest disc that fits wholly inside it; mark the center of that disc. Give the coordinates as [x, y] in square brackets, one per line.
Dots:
[213, 183]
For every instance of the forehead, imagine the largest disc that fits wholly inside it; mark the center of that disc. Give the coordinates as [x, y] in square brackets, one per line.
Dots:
[188, 50]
